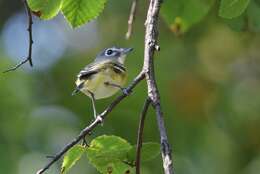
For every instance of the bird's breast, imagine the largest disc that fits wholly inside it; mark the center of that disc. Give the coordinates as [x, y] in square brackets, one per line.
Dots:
[96, 84]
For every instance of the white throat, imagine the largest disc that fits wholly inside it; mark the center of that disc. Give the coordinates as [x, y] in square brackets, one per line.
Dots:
[122, 59]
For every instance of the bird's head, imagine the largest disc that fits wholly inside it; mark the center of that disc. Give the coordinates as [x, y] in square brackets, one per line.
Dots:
[114, 53]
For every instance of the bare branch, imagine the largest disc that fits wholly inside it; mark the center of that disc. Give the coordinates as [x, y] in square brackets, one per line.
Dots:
[140, 135]
[151, 35]
[29, 29]
[131, 19]
[151, 45]
[93, 124]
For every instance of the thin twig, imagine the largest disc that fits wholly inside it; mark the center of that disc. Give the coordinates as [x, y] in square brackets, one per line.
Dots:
[140, 135]
[93, 124]
[131, 19]
[151, 35]
[29, 29]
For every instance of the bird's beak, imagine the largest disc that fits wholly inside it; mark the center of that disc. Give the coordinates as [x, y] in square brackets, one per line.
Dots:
[127, 50]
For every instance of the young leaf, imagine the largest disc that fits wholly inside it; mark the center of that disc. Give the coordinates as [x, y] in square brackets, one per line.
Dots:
[46, 9]
[107, 153]
[181, 15]
[71, 157]
[232, 8]
[79, 12]
[148, 152]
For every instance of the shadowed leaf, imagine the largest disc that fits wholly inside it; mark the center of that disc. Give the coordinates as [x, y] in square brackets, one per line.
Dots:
[232, 8]
[248, 21]
[181, 15]
[149, 151]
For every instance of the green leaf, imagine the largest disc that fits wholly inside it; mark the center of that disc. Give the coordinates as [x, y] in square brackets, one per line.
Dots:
[115, 167]
[238, 23]
[45, 9]
[79, 12]
[248, 21]
[253, 13]
[180, 15]
[71, 157]
[149, 151]
[108, 153]
[232, 8]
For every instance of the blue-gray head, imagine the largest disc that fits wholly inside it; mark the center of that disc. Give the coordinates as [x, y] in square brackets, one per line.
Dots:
[113, 53]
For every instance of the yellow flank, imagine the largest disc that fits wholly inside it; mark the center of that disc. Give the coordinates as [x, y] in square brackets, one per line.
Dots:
[96, 83]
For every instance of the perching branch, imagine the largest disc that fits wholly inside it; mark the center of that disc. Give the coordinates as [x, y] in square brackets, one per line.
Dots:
[131, 19]
[140, 135]
[95, 123]
[29, 29]
[151, 35]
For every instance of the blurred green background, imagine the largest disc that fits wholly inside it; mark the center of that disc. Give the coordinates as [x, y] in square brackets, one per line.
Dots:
[209, 81]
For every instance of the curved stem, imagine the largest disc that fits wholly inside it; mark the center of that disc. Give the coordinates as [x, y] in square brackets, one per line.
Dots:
[140, 135]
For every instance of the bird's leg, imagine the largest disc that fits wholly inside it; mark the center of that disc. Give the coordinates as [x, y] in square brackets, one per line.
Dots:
[84, 142]
[93, 100]
[124, 90]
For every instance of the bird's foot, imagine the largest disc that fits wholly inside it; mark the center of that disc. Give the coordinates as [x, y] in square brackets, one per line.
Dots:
[125, 91]
[84, 142]
[100, 120]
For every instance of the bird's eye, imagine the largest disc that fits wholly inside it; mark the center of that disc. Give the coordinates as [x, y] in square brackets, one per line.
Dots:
[109, 52]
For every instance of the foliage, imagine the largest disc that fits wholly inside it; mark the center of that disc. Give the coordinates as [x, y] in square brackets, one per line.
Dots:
[77, 12]
[149, 151]
[232, 8]
[72, 156]
[249, 20]
[45, 9]
[181, 15]
[110, 154]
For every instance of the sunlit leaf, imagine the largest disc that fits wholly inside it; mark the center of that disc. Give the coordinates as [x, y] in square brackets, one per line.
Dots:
[79, 12]
[181, 15]
[45, 9]
[149, 151]
[71, 157]
[108, 153]
[232, 8]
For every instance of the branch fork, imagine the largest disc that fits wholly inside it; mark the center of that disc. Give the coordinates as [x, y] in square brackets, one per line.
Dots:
[147, 73]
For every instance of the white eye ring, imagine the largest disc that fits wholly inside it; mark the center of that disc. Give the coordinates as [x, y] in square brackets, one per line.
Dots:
[109, 52]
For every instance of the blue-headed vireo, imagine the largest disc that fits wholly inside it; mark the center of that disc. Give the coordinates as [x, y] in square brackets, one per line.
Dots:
[103, 77]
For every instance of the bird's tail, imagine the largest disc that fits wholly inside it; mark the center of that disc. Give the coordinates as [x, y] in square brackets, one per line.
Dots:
[77, 89]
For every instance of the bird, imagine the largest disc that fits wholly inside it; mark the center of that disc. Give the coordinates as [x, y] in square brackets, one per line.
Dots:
[105, 76]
